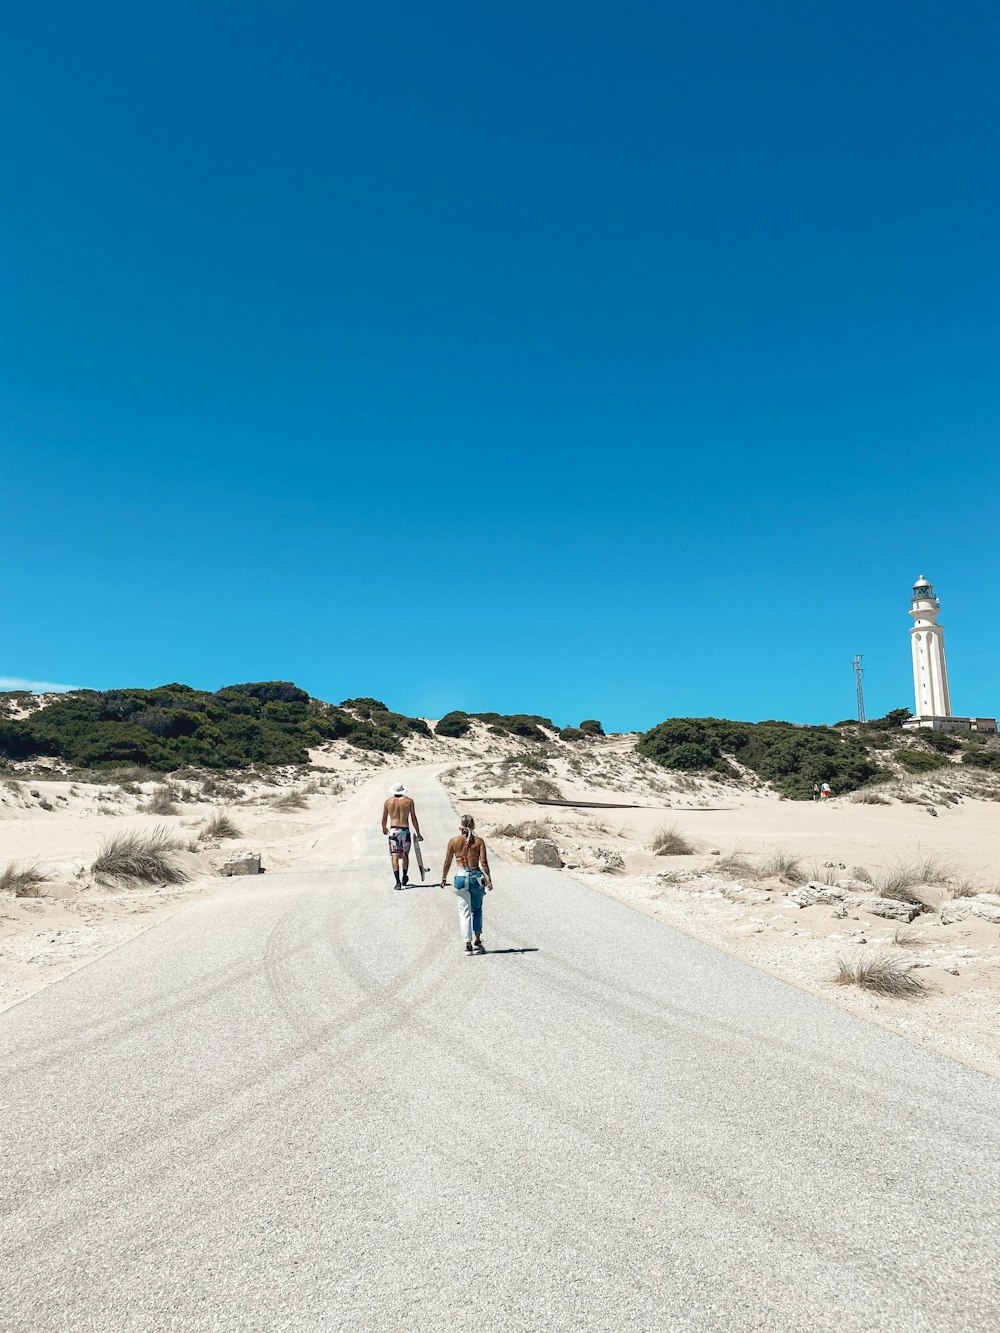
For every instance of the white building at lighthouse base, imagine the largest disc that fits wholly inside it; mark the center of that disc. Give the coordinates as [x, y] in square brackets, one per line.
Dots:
[984, 724]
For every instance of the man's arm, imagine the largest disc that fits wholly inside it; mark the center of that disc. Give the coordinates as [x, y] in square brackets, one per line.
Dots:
[416, 821]
[449, 853]
[385, 817]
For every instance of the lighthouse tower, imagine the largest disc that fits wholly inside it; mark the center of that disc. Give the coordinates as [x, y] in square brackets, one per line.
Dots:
[930, 670]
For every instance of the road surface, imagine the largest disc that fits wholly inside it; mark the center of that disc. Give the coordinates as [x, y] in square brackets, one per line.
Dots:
[298, 1105]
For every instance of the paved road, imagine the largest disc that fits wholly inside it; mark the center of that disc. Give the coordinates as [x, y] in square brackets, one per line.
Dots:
[297, 1105]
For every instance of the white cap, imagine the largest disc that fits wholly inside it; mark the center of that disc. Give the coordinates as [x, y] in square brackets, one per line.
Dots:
[398, 789]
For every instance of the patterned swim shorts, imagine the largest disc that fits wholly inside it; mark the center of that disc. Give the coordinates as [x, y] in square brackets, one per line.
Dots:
[399, 841]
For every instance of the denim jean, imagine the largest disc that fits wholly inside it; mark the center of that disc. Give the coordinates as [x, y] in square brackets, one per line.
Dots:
[470, 902]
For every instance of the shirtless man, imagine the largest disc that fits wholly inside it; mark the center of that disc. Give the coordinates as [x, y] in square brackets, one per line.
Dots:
[396, 815]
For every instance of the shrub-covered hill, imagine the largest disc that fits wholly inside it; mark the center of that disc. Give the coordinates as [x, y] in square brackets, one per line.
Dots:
[527, 726]
[788, 756]
[793, 757]
[172, 726]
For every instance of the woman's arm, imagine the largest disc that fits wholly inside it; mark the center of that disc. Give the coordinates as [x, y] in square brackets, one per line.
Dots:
[484, 861]
[449, 853]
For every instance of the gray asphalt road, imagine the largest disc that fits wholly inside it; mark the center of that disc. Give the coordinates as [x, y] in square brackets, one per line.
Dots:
[297, 1105]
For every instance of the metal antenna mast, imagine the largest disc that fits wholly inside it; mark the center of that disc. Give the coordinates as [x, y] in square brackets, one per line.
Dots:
[859, 671]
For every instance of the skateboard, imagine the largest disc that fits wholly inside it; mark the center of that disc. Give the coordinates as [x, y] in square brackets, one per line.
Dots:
[420, 859]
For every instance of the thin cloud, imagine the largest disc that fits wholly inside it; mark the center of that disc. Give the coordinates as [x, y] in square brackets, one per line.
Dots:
[36, 686]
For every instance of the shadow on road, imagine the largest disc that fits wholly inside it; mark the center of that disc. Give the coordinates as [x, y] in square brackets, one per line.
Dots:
[531, 948]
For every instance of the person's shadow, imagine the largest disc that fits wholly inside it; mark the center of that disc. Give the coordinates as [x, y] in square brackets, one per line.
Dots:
[531, 948]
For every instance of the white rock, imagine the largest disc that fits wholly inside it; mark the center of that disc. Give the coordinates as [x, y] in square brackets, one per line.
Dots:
[854, 885]
[808, 895]
[543, 852]
[962, 908]
[889, 908]
[613, 861]
[243, 865]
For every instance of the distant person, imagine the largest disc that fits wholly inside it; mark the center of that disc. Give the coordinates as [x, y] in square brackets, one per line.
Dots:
[471, 883]
[824, 791]
[396, 815]
[815, 791]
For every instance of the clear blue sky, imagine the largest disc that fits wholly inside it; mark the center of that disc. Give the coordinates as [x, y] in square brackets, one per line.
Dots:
[595, 359]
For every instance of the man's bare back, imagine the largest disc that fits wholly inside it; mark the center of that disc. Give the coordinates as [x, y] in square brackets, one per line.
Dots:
[397, 813]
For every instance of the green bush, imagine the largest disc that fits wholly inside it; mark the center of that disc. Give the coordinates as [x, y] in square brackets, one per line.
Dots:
[453, 724]
[526, 725]
[919, 761]
[592, 727]
[940, 741]
[790, 757]
[982, 756]
[365, 707]
[572, 734]
[892, 721]
[175, 726]
[692, 742]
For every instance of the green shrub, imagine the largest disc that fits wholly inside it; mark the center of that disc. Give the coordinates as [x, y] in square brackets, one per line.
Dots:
[571, 734]
[453, 724]
[892, 721]
[527, 725]
[982, 756]
[790, 757]
[941, 741]
[919, 761]
[592, 727]
[174, 726]
[365, 707]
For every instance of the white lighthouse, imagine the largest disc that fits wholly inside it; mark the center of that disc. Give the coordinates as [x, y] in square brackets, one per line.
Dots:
[930, 668]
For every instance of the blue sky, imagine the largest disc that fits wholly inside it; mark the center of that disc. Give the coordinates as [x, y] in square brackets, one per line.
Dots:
[619, 360]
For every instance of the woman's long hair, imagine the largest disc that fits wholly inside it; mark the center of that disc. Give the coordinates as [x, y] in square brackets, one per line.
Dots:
[468, 827]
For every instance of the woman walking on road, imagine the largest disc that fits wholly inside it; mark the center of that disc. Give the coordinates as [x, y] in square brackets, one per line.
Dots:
[471, 883]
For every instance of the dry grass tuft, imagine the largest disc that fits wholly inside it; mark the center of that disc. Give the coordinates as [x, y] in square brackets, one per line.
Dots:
[966, 887]
[526, 830]
[161, 802]
[901, 880]
[881, 974]
[908, 938]
[668, 840]
[869, 797]
[289, 800]
[824, 874]
[736, 865]
[782, 865]
[139, 856]
[20, 880]
[221, 826]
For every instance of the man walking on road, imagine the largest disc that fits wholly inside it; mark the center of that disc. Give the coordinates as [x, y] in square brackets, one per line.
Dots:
[396, 815]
